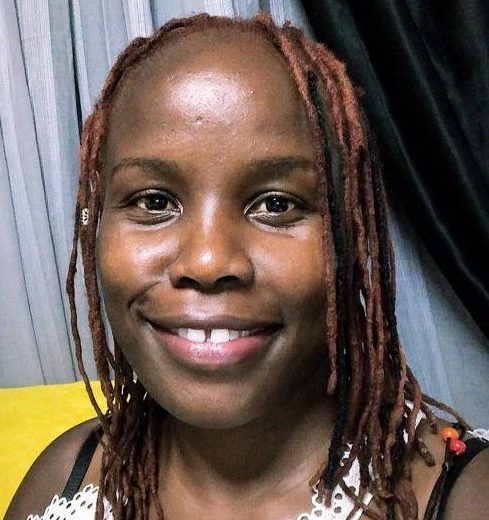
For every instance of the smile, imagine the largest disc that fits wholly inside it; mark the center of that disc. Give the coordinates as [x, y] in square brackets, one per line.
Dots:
[214, 347]
[213, 335]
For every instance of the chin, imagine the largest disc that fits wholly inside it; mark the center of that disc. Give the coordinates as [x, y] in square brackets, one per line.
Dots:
[212, 420]
[216, 412]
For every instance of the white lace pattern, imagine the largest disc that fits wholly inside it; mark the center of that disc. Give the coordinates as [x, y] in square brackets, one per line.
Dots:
[82, 506]
[480, 433]
[341, 504]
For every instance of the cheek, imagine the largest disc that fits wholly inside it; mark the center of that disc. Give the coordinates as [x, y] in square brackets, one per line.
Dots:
[129, 262]
[298, 270]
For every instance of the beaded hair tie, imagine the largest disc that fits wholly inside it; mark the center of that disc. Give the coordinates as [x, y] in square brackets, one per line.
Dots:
[451, 437]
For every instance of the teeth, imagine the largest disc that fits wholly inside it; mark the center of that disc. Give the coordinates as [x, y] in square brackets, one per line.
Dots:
[220, 335]
[215, 336]
[233, 334]
[198, 336]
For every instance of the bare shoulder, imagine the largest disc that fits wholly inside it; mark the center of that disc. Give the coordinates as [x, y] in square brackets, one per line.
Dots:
[469, 498]
[424, 477]
[48, 475]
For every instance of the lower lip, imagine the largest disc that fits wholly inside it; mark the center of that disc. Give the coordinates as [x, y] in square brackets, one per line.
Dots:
[214, 355]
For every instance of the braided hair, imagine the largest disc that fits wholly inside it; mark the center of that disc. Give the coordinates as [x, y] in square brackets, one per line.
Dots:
[368, 374]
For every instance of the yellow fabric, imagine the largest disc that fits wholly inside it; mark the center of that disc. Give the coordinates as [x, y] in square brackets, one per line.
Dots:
[31, 417]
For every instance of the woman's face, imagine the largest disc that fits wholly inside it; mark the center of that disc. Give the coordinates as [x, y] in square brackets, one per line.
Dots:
[210, 244]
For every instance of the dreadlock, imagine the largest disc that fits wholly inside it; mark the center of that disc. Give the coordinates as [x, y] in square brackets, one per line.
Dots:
[367, 366]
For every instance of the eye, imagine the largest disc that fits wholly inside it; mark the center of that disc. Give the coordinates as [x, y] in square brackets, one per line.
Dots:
[276, 208]
[275, 204]
[156, 204]
[153, 202]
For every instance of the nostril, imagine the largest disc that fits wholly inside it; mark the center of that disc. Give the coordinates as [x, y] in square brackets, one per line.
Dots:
[223, 273]
[227, 280]
[185, 282]
[223, 282]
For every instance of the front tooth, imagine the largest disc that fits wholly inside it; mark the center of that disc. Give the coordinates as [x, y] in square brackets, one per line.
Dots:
[219, 335]
[198, 336]
[233, 334]
[182, 332]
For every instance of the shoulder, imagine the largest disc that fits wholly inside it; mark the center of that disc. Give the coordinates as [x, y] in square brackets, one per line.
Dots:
[424, 476]
[48, 475]
[469, 497]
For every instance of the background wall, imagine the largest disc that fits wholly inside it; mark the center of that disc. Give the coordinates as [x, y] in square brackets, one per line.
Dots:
[55, 56]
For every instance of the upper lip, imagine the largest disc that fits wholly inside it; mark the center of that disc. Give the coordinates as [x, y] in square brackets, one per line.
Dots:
[213, 322]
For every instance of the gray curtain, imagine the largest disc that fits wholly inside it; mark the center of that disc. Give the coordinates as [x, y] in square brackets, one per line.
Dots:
[54, 58]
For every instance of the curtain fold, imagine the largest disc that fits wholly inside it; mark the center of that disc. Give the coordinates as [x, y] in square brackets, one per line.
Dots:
[424, 68]
[56, 55]
[32, 169]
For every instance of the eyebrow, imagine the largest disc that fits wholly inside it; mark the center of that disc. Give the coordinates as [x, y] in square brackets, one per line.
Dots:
[147, 164]
[269, 166]
[277, 166]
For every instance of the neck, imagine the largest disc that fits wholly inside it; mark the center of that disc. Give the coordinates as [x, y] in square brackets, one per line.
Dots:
[283, 448]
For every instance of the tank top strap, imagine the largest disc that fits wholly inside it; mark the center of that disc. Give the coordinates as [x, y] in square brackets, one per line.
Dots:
[81, 465]
[450, 472]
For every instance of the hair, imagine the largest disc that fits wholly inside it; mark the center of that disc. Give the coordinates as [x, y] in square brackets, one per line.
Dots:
[378, 397]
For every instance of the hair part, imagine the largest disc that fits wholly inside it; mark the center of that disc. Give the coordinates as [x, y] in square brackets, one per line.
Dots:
[368, 369]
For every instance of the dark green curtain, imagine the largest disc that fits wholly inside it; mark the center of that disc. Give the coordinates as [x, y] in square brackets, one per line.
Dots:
[424, 69]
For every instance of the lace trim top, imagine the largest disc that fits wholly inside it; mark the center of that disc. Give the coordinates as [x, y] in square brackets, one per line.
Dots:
[82, 506]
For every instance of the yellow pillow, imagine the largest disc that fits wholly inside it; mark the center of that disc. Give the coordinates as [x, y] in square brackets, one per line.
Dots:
[31, 417]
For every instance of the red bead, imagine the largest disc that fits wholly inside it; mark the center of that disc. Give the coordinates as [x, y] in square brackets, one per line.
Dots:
[449, 433]
[456, 446]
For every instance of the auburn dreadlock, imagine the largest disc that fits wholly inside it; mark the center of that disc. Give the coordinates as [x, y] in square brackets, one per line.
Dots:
[368, 370]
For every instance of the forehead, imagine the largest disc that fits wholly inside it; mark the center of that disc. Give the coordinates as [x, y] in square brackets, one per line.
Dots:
[212, 79]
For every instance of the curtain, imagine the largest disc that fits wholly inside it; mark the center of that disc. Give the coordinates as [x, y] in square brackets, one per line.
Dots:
[55, 57]
[424, 67]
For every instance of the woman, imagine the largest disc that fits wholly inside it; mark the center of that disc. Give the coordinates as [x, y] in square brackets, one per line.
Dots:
[231, 208]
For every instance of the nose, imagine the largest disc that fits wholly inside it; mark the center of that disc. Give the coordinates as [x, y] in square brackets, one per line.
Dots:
[211, 259]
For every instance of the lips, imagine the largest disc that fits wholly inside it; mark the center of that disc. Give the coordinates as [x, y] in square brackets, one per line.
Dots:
[214, 343]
